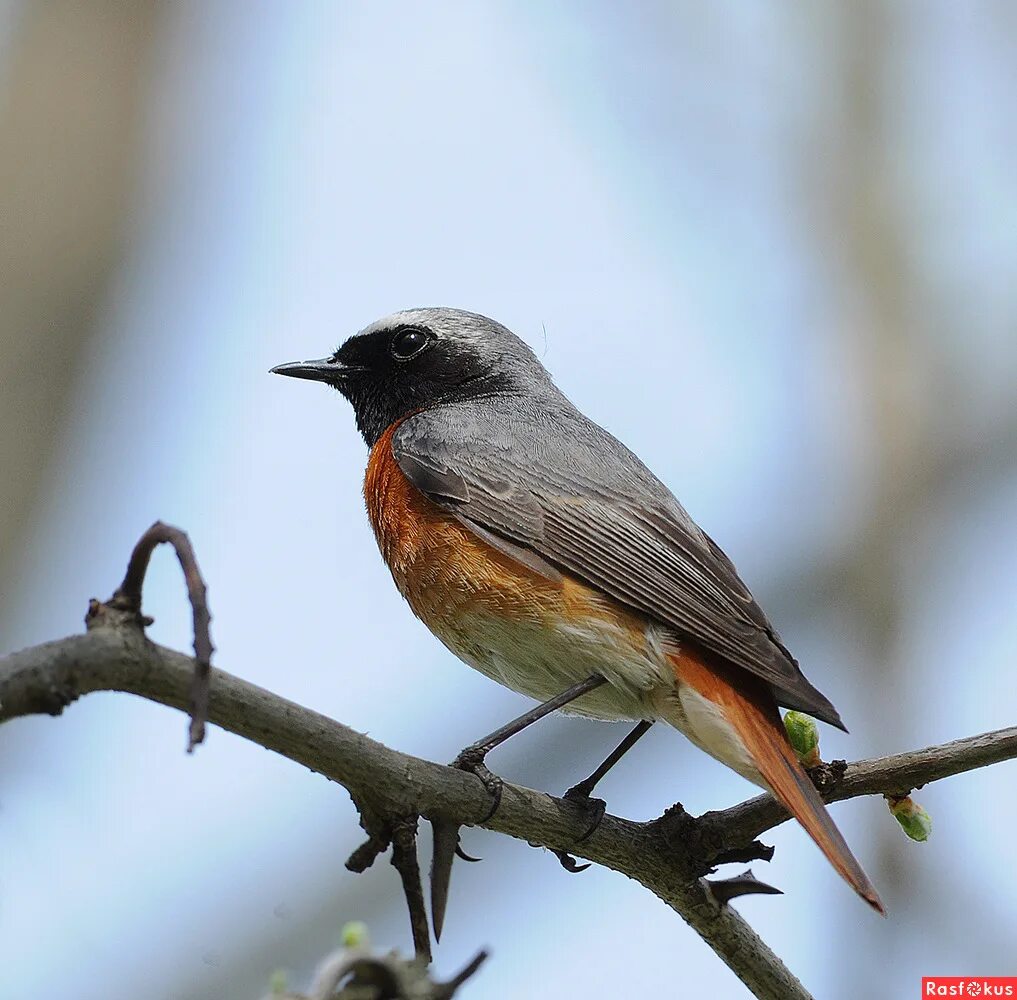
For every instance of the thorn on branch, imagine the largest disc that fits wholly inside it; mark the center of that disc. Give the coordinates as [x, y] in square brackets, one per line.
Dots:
[445, 849]
[127, 598]
[446, 990]
[725, 889]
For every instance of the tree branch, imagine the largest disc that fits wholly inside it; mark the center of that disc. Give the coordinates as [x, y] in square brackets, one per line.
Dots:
[894, 776]
[667, 856]
[128, 598]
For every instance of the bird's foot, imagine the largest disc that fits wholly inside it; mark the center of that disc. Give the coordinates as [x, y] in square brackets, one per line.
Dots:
[595, 809]
[471, 760]
[579, 795]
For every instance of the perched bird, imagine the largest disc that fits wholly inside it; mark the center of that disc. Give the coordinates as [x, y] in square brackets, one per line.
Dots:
[542, 552]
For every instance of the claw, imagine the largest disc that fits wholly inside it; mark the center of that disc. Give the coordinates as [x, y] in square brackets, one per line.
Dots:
[566, 860]
[472, 762]
[569, 863]
[493, 784]
[596, 808]
[578, 794]
[460, 853]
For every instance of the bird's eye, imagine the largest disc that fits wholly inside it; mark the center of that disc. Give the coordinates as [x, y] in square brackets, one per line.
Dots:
[408, 343]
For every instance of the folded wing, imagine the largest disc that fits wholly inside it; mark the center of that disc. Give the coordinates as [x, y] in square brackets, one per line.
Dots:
[618, 530]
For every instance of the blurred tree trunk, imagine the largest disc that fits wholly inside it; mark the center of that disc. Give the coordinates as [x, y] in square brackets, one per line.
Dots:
[899, 372]
[73, 86]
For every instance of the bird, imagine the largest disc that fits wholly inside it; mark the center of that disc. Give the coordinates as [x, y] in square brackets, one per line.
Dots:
[542, 552]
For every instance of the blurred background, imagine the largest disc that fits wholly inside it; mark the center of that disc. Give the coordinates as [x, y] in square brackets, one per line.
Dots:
[770, 246]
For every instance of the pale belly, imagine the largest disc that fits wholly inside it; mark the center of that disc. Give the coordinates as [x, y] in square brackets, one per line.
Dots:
[544, 655]
[543, 643]
[541, 660]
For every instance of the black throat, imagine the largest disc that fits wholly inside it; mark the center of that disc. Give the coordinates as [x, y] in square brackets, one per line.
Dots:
[379, 403]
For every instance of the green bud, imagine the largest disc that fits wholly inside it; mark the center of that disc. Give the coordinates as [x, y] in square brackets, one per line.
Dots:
[354, 935]
[277, 983]
[803, 733]
[913, 819]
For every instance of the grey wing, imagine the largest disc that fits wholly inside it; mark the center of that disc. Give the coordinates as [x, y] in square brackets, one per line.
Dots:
[642, 550]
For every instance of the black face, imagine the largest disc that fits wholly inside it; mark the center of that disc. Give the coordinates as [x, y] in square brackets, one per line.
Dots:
[391, 373]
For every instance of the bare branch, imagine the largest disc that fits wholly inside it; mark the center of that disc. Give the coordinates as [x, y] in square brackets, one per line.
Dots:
[404, 860]
[115, 656]
[667, 856]
[127, 597]
[895, 776]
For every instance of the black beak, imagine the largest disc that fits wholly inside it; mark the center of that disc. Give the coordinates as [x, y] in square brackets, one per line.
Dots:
[322, 370]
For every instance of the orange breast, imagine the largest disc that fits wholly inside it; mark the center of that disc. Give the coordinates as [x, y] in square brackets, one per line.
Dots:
[441, 567]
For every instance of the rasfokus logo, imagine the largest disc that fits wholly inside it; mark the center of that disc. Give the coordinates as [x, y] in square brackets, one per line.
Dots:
[969, 986]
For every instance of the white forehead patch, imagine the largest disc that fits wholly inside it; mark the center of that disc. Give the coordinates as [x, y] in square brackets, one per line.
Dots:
[408, 317]
[461, 325]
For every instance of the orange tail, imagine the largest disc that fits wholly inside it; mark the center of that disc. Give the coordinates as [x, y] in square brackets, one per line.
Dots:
[753, 715]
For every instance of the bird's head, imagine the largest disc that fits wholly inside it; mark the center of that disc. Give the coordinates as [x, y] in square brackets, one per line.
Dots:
[421, 358]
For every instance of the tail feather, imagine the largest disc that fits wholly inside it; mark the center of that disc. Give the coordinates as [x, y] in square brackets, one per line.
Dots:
[791, 784]
[753, 715]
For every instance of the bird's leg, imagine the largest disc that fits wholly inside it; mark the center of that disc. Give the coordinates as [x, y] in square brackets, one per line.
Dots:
[580, 792]
[472, 757]
[582, 789]
[446, 834]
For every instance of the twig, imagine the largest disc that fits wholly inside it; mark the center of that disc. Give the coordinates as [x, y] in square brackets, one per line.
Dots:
[127, 597]
[367, 853]
[404, 860]
[399, 832]
[359, 971]
[447, 989]
[898, 775]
